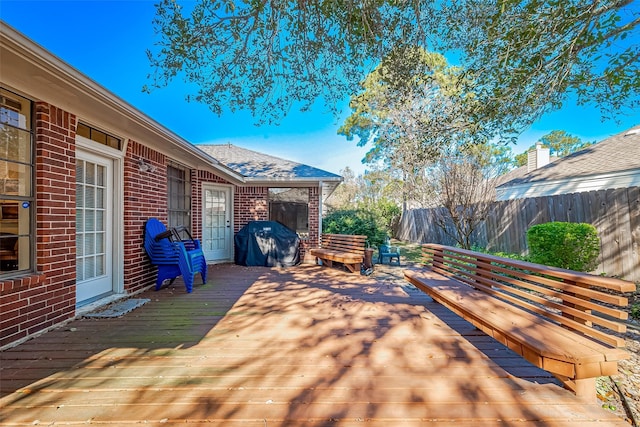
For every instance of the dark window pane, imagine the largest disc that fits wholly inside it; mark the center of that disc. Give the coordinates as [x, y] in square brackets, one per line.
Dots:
[15, 110]
[15, 144]
[83, 130]
[179, 197]
[98, 136]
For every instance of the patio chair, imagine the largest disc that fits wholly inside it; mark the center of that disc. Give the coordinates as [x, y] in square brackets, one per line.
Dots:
[388, 251]
[173, 255]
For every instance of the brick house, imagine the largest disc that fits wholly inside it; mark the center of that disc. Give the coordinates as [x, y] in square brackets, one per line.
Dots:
[80, 173]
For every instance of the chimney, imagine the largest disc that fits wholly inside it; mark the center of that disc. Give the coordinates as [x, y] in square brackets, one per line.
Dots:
[537, 157]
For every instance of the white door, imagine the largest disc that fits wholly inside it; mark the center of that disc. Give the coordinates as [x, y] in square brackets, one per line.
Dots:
[217, 233]
[94, 225]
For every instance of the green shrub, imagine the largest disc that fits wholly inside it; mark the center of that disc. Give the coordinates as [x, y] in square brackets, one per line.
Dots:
[355, 221]
[574, 246]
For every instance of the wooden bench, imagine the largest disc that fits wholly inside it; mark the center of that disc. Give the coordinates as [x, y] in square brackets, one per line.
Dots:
[562, 321]
[346, 249]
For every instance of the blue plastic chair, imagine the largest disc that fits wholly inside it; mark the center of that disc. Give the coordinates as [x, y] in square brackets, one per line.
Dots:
[390, 252]
[172, 255]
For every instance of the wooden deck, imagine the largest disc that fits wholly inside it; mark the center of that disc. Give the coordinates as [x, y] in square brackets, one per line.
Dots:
[304, 346]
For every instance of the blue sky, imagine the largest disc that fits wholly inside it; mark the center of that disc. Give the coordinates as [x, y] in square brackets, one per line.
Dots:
[107, 41]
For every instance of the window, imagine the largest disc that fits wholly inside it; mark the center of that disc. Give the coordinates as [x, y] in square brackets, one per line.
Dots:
[99, 136]
[290, 207]
[16, 183]
[179, 187]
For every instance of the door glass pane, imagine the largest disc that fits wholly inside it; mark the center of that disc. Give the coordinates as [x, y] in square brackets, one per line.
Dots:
[100, 176]
[215, 219]
[100, 265]
[90, 210]
[15, 144]
[90, 173]
[80, 269]
[15, 179]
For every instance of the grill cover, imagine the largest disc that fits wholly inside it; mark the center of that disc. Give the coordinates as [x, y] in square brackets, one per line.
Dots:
[266, 244]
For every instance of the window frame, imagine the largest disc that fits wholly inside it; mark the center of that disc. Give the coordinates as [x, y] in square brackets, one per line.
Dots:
[29, 199]
[185, 184]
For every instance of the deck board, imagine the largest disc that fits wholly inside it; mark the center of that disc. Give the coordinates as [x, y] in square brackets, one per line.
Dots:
[303, 346]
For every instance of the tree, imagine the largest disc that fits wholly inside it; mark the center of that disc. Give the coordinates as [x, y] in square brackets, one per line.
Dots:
[381, 196]
[464, 188]
[560, 144]
[411, 107]
[528, 55]
[525, 55]
[346, 194]
[355, 221]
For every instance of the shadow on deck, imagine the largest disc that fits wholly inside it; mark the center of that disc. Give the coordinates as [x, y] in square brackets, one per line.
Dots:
[303, 346]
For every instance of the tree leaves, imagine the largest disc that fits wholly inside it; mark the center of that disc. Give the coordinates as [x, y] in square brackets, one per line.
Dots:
[524, 56]
[266, 56]
[527, 56]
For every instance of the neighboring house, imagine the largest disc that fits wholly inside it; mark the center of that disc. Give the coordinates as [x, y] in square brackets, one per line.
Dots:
[611, 163]
[81, 171]
[537, 157]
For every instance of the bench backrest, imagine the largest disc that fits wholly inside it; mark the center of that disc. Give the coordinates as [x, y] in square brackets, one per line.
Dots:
[388, 249]
[350, 243]
[578, 301]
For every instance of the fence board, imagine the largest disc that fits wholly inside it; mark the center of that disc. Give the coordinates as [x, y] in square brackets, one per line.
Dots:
[634, 225]
[615, 214]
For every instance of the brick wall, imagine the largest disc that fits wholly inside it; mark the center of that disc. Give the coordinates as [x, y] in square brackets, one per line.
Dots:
[145, 196]
[314, 220]
[251, 204]
[32, 303]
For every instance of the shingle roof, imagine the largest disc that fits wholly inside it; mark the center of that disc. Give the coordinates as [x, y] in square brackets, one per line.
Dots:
[252, 164]
[618, 153]
[517, 173]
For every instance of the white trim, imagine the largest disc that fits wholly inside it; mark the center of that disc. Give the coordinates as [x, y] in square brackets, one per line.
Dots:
[231, 204]
[117, 157]
[290, 182]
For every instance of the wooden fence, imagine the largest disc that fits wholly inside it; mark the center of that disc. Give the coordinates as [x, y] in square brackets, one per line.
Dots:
[614, 213]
